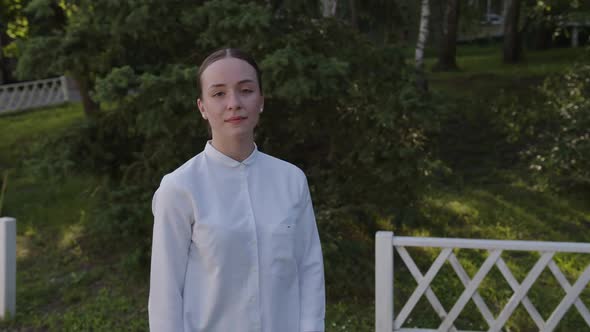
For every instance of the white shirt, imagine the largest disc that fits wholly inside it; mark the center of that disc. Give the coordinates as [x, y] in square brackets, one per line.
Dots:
[235, 248]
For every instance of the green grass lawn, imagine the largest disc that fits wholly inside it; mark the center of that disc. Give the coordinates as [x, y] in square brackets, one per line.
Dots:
[482, 73]
[71, 279]
[22, 132]
[66, 281]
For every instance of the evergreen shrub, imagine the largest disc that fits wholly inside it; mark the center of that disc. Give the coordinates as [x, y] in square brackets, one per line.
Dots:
[342, 108]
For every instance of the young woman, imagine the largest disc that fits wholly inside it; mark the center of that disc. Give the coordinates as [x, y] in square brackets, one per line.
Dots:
[235, 243]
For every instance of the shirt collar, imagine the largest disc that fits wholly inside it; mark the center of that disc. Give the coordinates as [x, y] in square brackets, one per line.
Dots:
[213, 153]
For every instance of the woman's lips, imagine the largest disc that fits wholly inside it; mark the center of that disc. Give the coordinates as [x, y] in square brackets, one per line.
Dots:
[236, 119]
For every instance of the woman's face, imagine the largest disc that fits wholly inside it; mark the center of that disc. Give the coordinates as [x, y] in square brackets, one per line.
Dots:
[231, 99]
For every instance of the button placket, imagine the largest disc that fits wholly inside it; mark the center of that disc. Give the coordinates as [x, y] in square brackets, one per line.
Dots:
[255, 295]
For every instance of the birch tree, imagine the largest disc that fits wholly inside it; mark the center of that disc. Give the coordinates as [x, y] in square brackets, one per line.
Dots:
[329, 8]
[422, 37]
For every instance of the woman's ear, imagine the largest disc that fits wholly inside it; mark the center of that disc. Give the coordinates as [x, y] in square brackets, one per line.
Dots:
[201, 108]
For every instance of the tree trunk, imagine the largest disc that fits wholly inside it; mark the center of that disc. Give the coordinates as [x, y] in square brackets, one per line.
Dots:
[448, 43]
[329, 8]
[1, 60]
[505, 7]
[512, 36]
[91, 108]
[353, 14]
[422, 36]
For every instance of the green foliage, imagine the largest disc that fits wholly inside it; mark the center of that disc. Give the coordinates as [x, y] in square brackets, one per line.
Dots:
[324, 84]
[14, 22]
[221, 21]
[567, 114]
[553, 128]
[553, 11]
[339, 106]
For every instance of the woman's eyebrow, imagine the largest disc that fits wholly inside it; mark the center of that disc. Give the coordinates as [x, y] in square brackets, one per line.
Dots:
[218, 85]
[246, 81]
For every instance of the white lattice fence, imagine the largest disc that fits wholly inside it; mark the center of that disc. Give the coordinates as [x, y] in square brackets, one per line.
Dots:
[387, 320]
[21, 96]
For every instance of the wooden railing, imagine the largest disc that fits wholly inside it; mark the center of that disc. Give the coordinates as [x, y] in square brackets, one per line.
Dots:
[21, 96]
[387, 320]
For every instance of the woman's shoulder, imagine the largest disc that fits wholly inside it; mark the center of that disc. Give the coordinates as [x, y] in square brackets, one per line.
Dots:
[182, 175]
[282, 167]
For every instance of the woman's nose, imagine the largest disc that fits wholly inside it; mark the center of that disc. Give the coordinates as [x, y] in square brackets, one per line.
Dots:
[233, 101]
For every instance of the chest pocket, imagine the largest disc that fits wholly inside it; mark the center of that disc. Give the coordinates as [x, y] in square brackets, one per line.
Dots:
[282, 244]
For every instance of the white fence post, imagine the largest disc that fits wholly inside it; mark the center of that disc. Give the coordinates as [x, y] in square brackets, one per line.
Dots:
[64, 88]
[384, 281]
[7, 267]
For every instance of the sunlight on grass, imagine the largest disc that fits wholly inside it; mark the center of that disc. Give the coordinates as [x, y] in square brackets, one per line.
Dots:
[507, 212]
[70, 236]
[461, 209]
[23, 248]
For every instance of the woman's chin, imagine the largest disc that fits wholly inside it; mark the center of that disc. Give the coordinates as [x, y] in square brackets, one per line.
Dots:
[240, 133]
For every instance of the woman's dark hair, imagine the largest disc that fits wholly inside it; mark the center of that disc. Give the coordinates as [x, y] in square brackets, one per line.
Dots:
[229, 53]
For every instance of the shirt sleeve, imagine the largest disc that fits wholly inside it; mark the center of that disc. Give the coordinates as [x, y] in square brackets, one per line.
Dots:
[172, 211]
[311, 269]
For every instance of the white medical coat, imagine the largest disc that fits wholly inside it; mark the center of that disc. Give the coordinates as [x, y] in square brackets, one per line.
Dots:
[235, 248]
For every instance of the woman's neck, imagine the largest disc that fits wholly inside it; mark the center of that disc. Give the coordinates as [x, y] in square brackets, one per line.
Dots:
[237, 149]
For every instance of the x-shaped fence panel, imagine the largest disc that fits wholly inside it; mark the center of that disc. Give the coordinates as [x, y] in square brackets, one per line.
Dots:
[386, 320]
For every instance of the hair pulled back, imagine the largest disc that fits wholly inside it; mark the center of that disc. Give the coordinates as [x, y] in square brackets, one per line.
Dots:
[229, 53]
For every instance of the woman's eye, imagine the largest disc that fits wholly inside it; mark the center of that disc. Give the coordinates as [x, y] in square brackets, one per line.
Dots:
[218, 94]
[247, 90]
